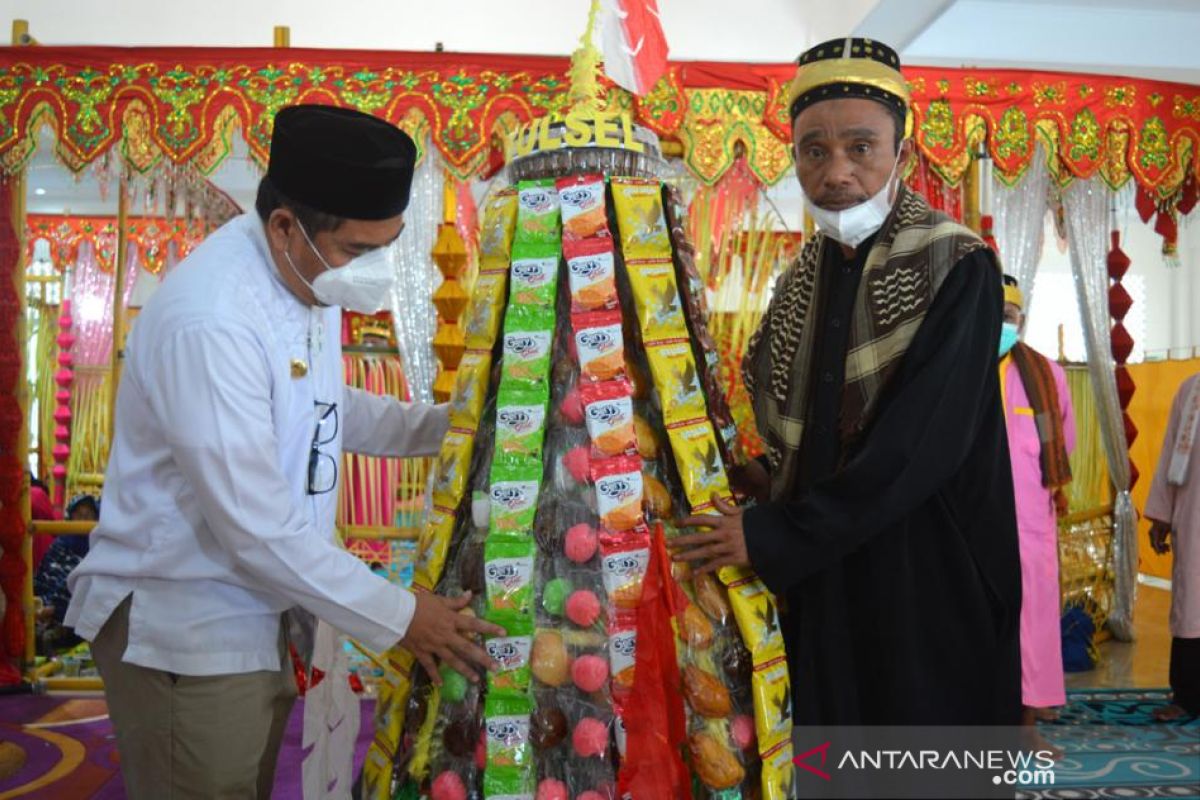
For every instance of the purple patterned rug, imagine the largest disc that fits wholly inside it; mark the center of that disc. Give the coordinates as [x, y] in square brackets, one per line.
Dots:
[61, 747]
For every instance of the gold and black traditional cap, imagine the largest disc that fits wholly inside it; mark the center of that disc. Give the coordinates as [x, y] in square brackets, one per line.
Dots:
[342, 162]
[851, 67]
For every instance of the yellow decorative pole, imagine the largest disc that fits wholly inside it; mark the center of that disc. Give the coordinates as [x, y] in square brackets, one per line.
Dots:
[283, 36]
[971, 182]
[450, 254]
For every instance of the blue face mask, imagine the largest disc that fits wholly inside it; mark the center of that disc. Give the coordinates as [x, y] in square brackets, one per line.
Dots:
[1009, 335]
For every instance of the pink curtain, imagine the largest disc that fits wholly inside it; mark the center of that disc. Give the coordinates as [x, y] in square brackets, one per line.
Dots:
[91, 304]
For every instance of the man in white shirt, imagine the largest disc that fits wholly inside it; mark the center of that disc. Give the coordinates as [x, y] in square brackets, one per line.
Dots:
[220, 496]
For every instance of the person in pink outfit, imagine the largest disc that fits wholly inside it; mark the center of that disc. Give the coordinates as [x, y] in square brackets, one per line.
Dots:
[1041, 435]
[1173, 508]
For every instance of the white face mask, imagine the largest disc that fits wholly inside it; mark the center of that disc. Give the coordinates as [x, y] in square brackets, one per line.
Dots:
[853, 226]
[363, 284]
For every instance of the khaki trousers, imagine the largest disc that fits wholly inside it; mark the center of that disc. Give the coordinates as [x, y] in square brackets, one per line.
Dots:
[184, 736]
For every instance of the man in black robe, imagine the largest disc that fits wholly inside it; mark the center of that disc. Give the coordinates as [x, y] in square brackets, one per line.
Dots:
[885, 524]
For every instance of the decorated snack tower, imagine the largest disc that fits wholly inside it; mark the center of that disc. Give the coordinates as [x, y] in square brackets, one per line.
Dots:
[587, 417]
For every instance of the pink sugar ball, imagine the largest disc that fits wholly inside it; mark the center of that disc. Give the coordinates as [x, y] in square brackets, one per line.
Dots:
[583, 608]
[571, 407]
[580, 544]
[448, 786]
[578, 462]
[589, 672]
[552, 789]
[742, 731]
[590, 737]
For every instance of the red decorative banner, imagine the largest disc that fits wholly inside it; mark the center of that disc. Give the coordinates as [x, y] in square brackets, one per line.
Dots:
[151, 237]
[181, 105]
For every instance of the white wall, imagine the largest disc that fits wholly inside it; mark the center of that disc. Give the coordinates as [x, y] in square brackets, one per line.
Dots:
[1162, 320]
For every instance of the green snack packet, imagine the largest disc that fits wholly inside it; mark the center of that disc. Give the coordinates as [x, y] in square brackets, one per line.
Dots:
[507, 783]
[508, 574]
[512, 498]
[510, 651]
[506, 728]
[528, 335]
[537, 211]
[520, 423]
[534, 274]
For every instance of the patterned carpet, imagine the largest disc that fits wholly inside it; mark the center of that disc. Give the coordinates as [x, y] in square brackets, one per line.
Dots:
[62, 748]
[1114, 748]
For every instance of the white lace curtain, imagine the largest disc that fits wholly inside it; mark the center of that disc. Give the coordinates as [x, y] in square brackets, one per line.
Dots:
[1087, 207]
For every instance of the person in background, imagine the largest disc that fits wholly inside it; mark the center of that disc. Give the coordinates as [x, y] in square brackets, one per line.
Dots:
[1041, 436]
[1173, 509]
[50, 579]
[41, 508]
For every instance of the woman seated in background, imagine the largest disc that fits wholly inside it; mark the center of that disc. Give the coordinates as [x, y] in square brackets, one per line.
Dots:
[50, 580]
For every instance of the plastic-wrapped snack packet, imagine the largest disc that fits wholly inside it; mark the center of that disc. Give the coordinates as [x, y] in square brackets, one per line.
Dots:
[656, 297]
[638, 202]
[772, 701]
[482, 320]
[698, 459]
[453, 466]
[591, 274]
[715, 764]
[520, 422]
[537, 211]
[608, 414]
[508, 783]
[582, 200]
[513, 496]
[508, 574]
[618, 492]
[600, 345]
[754, 609]
[777, 771]
[499, 218]
[622, 650]
[677, 381]
[470, 389]
[511, 651]
[528, 334]
[624, 559]
[506, 726]
[434, 543]
[534, 273]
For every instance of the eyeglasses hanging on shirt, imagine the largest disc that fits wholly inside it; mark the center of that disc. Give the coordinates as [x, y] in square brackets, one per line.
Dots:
[322, 467]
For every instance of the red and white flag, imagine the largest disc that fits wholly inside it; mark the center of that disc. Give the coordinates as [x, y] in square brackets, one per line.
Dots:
[635, 49]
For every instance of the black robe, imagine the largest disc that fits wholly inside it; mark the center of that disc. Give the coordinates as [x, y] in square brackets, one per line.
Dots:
[897, 561]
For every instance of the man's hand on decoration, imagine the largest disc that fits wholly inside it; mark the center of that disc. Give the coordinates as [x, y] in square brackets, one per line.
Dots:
[1160, 533]
[751, 480]
[722, 545]
[441, 631]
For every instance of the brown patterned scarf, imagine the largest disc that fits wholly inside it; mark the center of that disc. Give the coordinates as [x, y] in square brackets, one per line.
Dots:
[1040, 387]
[913, 252]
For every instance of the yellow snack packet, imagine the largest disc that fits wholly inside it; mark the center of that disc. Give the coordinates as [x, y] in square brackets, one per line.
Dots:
[470, 389]
[757, 619]
[393, 699]
[698, 460]
[484, 313]
[499, 220]
[656, 296]
[677, 380]
[377, 773]
[435, 541]
[638, 203]
[772, 702]
[453, 466]
[777, 771]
